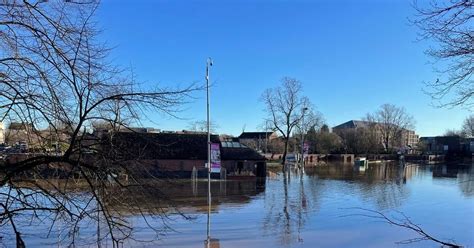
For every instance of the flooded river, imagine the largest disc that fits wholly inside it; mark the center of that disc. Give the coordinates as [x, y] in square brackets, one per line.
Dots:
[327, 206]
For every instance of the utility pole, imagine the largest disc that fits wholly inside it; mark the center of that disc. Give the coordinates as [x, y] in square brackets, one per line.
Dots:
[208, 65]
[266, 137]
[302, 139]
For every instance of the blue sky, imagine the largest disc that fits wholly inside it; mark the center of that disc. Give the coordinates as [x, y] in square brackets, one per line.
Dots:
[351, 57]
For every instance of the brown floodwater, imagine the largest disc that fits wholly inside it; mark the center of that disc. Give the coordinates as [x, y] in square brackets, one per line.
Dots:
[320, 208]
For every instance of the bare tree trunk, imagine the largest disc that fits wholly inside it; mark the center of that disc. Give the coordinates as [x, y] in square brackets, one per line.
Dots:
[285, 108]
[56, 81]
[285, 152]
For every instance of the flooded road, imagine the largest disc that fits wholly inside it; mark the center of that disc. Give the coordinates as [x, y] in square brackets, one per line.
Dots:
[324, 207]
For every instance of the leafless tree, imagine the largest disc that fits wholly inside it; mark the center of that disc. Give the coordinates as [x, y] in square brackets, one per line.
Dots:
[55, 77]
[276, 146]
[452, 132]
[421, 147]
[390, 122]
[468, 127]
[201, 126]
[361, 140]
[323, 141]
[284, 106]
[466, 131]
[251, 143]
[311, 120]
[449, 25]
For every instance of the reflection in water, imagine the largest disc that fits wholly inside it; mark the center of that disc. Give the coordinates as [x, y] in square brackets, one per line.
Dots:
[382, 183]
[277, 218]
[154, 205]
[466, 181]
[286, 210]
[188, 196]
[213, 243]
[294, 208]
[288, 207]
[463, 174]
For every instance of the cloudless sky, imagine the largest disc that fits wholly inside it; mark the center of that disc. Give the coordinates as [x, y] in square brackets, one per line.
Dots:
[351, 57]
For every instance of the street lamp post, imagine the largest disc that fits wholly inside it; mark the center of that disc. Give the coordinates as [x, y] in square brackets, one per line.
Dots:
[266, 137]
[208, 65]
[302, 139]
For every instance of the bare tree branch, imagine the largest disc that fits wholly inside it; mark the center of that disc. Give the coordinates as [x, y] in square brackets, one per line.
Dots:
[391, 123]
[285, 106]
[449, 25]
[55, 83]
[403, 222]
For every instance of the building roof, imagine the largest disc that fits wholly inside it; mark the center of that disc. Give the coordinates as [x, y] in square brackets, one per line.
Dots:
[162, 145]
[181, 146]
[440, 138]
[255, 135]
[353, 124]
[241, 153]
[363, 124]
[109, 127]
[20, 126]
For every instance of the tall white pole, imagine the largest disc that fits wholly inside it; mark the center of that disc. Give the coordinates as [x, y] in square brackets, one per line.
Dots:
[208, 65]
[302, 140]
[266, 137]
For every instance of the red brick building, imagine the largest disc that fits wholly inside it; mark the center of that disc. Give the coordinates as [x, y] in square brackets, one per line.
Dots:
[179, 154]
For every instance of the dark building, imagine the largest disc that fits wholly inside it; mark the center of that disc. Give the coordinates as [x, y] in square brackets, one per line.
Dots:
[448, 145]
[179, 154]
[467, 145]
[240, 160]
[257, 140]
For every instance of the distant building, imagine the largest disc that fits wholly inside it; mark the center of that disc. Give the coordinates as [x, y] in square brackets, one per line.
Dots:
[20, 133]
[448, 145]
[189, 132]
[408, 137]
[352, 124]
[227, 137]
[257, 140]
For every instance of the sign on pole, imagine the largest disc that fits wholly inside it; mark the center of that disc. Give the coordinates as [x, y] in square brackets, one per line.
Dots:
[215, 158]
[305, 148]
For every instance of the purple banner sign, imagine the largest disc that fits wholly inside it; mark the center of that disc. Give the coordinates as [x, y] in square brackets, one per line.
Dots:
[306, 148]
[215, 158]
